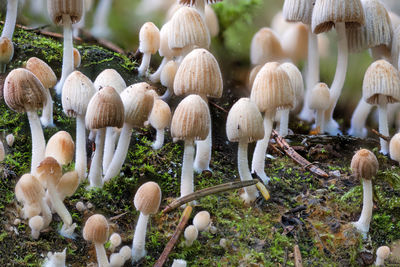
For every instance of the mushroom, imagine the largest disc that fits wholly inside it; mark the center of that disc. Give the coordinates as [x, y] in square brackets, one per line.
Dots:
[80, 206]
[160, 118]
[191, 121]
[77, 58]
[149, 43]
[179, 263]
[295, 43]
[67, 185]
[147, 201]
[56, 259]
[382, 253]
[244, 125]
[116, 260]
[6, 53]
[100, 28]
[125, 252]
[11, 18]
[167, 79]
[96, 230]
[10, 139]
[36, 224]
[265, 47]
[61, 147]
[202, 220]
[364, 166]
[200, 5]
[190, 234]
[319, 96]
[66, 13]
[394, 147]
[115, 241]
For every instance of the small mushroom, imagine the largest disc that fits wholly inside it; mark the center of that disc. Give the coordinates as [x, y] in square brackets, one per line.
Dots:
[61, 147]
[160, 118]
[202, 220]
[149, 43]
[6, 53]
[382, 253]
[167, 79]
[394, 147]
[36, 224]
[179, 263]
[319, 96]
[190, 234]
[115, 241]
[96, 231]
[56, 259]
[2, 152]
[10, 140]
[265, 47]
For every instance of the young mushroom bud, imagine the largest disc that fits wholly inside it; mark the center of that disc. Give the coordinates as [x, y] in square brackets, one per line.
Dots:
[96, 231]
[149, 38]
[77, 58]
[10, 139]
[115, 241]
[318, 98]
[36, 224]
[125, 252]
[394, 147]
[6, 53]
[56, 259]
[160, 118]
[382, 253]
[116, 260]
[61, 147]
[179, 263]
[265, 47]
[202, 220]
[190, 234]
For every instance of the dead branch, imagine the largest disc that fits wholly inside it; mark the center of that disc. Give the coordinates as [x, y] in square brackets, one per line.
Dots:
[384, 137]
[298, 261]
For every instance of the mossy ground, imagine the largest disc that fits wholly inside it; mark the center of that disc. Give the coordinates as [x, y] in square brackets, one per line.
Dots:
[304, 209]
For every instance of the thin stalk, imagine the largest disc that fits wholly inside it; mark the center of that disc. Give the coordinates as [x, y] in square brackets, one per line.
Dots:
[383, 124]
[46, 213]
[187, 185]
[38, 142]
[250, 193]
[158, 143]
[139, 239]
[145, 64]
[359, 118]
[47, 114]
[203, 153]
[109, 147]
[11, 19]
[80, 152]
[365, 218]
[319, 121]
[95, 168]
[284, 122]
[155, 77]
[102, 260]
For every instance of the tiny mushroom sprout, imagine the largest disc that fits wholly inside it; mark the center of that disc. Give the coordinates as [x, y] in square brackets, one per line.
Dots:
[245, 124]
[147, 201]
[364, 165]
[137, 101]
[191, 121]
[167, 78]
[160, 118]
[382, 253]
[116, 260]
[179, 263]
[115, 241]
[61, 147]
[66, 13]
[23, 92]
[6, 52]
[48, 78]
[394, 147]
[56, 259]
[125, 252]
[96, 231]
[36, 224]
[381, 87]
[202, 220]
[10, 139]
[319, 96]
[265, 47]
[149, 38]
[105, 109]
[190, 234]
[200, 5]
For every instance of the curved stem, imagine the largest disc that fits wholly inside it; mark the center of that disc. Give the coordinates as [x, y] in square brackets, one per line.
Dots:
[167, 95]
[80, 153]
[109, 147]
[102, 260]
[155, 77]
[187, 185]
[145, 64]
[46, 213]
[47, 114]
[359, 118]
[38, 142]
[59, 206]
[203, 153]
[158, 143]
[383, 124]
[251, 192]
[11, 18]
[139, 239]
[284, 122]
[365, 218]
[95, 168]
[100, 27]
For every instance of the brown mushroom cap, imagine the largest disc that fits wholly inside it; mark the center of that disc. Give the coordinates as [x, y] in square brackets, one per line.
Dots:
[148, 198]
[6, 50]
[160, 115]
[265, 47]
[49, 172]
[28, 189]
[298, 10]
[42, 71]
[96, 229]
[68, 183]
[364, 164]
[61, 147]
[58, 8]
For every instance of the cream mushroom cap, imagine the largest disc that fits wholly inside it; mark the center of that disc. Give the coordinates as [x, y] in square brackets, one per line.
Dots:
[42, 71]
[160, 115]
[364, 164]
[265, 47]
[319, 96]
[298, 10]
[191, 233]
[202, 220]
[68, 183]
[28, 189]
[168, 74]
[296, 79]
[61, 147]
[110, 77]
[165, 50]
[394, 147]
[6, 50]
[149, 38]
[383, 252]
[49, 172]
[96, 229]
[148, 198]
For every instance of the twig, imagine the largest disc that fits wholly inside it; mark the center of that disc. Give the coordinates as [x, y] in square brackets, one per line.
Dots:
[296, 156]
[384, 137]
[218, 107]
[263, 190]
[171, 243]
[298, 261]
[207, 191]
[118, 216]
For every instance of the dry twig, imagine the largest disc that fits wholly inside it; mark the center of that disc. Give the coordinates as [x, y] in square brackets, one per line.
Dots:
[298, 261]
[384, 137]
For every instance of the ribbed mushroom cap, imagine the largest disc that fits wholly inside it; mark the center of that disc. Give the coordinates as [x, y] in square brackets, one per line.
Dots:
[396, 47]
[295, 42]
[296, 79]
[77, 58]
[319, 96]
[149, 38]
[191, 119]
[328, 12]
[105, 109]
[164, 49]
[76, 94]
[201, 220]
[265, 47]
[199, 73]
[61, 147]
[110, 77]
[49, 172]
[192, 2]
[244, 122]
[42, 71]
[394, 147]
[96, 229]
[381, 79]
[188, 29]
[252, 75]
[28, 189]
[383, 252]
[191, 233]
[376, 31]
[68, 183]
[272, 89]
[115, 239]
[137, 103]
[23, 91]
[212, 21]
[298, 10]
[160, 115]
[168, 74]
[364, 164]
[395, 19]
[58, 8]
[148, 198]
[6, 50]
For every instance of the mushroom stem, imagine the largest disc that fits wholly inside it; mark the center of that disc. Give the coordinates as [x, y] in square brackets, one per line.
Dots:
[331, 125]
[187, 185]
[100, 28]
[80, 153]
[120, 153]
[319, 120]
[58, 205]
[46, 213]
[102, 260]
[258, 163]
[383, 124]
[203, 154]
[363, 222]
[38, 142]
[109, 147]
[359, 118]
[250, 192]
[95, 168]
[145, 64]
[284, 122]
[167, 95]
[11, 18]
[68, 53]
[200, 6]
[155, 77]
[47, 114]
[138, 249]
[158, 143]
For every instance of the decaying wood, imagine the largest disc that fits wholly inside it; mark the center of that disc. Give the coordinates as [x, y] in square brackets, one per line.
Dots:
[171, 243]
[298, 261]
[208, 191]
[326, 251]
[296, 156]
[384, 137]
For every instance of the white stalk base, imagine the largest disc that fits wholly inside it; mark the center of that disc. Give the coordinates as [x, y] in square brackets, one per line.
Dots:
[362, 225]
[139, 239]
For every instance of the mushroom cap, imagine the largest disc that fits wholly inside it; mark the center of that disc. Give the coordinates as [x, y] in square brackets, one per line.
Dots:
[149, 38]
[199, 73]
[383, 252]
[49, 172]
[168, 74]
[115, 239]
[381, 79]
[188, 29]
[179, 263]
[23, 91]
[279, 24]
[202, 220]
[160, 115]
[68, 183]
[295, 42]
[164, 49]
[36, 223]
[28, 189]
[6, 50]
[328, 12]
[32, 209]
[76, 94]
[265, 47]
[191, 233]
[191, 119]
[212, 21]
[319, 96]
[137, 103]
[148, 198]
[298, 10]
[125, 252]
[272, 89]
[296, 79]
[244, 122]
[42, 71]
[376, 31]
[116, 260]
[395, 19]
[77, 58]
[252, 75]
[61, 147]
[364, 164]
[96, 229]
[10, 139]
[396, 47]
[105, 109]
[192, 2]
[394, 147]
[58, 8]
[110, 77]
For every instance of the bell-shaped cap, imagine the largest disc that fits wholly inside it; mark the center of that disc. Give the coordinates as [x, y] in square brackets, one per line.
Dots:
[164, 49]
[295, 42]
[319, 96]
[96, 229]
[201, 220]
[68, 183]
[394, 147]
[28, 189]
[61, 147]
[298, 10]
[296, 79]
[168, 74]
[212, 21]
[160, 115]
[364, 164]
[265, 47]
[6, 50]
[396, 47]
[49, 172]
[42, 71]
[148, 198]
[58, 8]
[149, 38]
[110, 77]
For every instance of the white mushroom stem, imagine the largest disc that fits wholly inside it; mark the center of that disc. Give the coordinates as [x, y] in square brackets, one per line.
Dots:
[46, 213]
[363, 222]
[167, 95]
[383, 124]
[109, 147]
[80, 152]
[100, 27]
[203, 154]
[331, 125]
[68, 53]
[187, 185]
[258, 163]
[319, 120]
[59, 206]
[11, 18]
[359, 118]
[284, 122]
[47, 114]
[120, 153]
[139, 239]
[155, 77]
[158, 143]
[95, 168]
[38, 142]
[101, 255]
[145, 64]
[250, 192]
